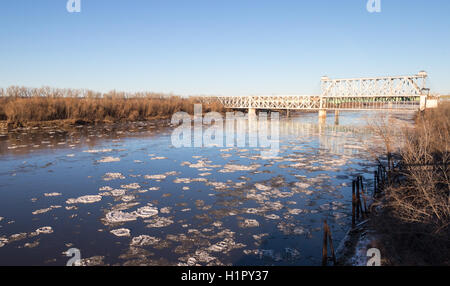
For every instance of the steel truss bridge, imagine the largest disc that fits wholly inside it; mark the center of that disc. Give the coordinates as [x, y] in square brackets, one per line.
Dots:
[377, 93]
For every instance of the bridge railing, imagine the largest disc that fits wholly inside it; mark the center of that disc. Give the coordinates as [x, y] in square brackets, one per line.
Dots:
[318, 102]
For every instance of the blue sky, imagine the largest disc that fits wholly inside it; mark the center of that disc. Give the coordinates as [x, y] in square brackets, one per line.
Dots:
[220, 47]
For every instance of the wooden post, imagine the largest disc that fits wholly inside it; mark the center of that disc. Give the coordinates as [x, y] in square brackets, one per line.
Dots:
[375, 187]
[353, 205]
[333, 256]
[325, 244]
[358, 201]
[364, 196]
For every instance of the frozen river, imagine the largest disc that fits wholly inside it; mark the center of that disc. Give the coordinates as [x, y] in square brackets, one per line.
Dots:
[126, 196]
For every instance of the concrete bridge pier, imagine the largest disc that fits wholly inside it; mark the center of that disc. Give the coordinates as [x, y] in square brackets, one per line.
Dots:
[322, 115]
[336, 117]
[423, 102]
[251, 112]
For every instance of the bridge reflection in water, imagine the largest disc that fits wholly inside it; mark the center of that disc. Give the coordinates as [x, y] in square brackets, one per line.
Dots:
[354, 137]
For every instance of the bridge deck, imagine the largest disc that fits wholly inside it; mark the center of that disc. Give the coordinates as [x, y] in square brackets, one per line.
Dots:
[305, 102]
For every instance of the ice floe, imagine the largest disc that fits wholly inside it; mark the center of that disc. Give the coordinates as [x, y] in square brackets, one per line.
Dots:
[52, 194]
[85, 200]
[44, 230]
[108, 159]
[144, 240]
[159, 222]
[146, 212]
[249, 223]
[119, 217]
[121, 232]
[41, 211]
[113, 176]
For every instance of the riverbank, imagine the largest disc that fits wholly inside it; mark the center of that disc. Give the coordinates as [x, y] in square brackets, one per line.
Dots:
[410, 219]
[20, 107]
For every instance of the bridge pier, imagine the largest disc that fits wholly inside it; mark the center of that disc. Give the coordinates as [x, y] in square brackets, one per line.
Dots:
[336, 117]
[251, 112]
[423, 102]
[322, 115]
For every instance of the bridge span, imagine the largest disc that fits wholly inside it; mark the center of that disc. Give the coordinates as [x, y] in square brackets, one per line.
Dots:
[377, 93]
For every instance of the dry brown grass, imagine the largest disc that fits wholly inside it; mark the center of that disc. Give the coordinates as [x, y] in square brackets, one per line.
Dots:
[416, 217]
[23, 105]
[423, 197]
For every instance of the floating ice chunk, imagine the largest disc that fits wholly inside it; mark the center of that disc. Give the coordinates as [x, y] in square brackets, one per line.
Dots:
[121, 232]
[144, 240]
[191, 261]
[338, 215]
[290, 228]
[230, 168]
[94, 151]
[252, 211]
[325, 207]
[262, 187]
[272, 216]
[171, 173]
[249, 223]
[155, 177]
[158, 158]
[44, 230]
[295, 211]
[3, 241]
[128, 198]
[260, 236]
[133, 186]
[154, 189]
[41, 211]
[119, 217]
[182, 180]
[291, 253]
[17, 237]
[124, 206]
[165, 210]
[85, 200]
[225, 245]
[92, 261]
[186, 188]
[146, 212]
[117, 192]
[105, 188]
[159, 222]
[218, 185]
[113, 176]
[52, 194]
[31, 245]
[302, 185]
[108, 159]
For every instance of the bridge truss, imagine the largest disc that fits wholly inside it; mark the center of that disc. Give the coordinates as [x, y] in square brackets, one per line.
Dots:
[379, 93]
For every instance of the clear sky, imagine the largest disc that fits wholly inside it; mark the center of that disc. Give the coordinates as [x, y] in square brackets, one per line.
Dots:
[220, 47]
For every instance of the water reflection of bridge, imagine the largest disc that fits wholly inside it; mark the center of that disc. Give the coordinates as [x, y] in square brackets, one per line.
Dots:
[337, 139]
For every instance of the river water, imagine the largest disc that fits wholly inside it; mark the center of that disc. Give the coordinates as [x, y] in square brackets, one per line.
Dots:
[126, 196]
